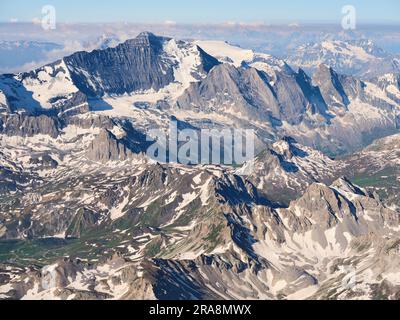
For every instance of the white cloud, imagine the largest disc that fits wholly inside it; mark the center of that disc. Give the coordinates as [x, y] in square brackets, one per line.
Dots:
[36, 20]
[251, 24]
[170, 22]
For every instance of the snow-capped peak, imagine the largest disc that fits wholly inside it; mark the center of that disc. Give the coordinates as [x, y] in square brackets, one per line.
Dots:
[358, 57]
[227, 53]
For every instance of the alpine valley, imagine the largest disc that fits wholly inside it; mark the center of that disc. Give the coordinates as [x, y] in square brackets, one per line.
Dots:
[85, 214]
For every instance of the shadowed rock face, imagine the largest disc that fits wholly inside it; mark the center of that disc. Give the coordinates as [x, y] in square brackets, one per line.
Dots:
[339, 90]
[331, 88]
[11, 181]
[24, 125]
[136, 65]
[106, 147]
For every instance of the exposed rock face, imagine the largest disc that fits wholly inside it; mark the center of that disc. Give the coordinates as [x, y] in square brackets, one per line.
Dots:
[28, 126]
[229, 84]
[44, 161]
[106, 147]
[94, 121]
[342, 206]
[331, 87]
[13, 180]
[299, 99]
[76, 104]
[390, 83]
[4, 106]
[339, 90]
[254, 94]
[285, 170]
[137, 65]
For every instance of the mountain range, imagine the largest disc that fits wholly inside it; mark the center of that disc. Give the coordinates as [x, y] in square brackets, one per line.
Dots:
[361, 58]
[85, 214]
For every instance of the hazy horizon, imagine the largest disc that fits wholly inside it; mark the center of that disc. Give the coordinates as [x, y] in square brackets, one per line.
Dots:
[222, 11]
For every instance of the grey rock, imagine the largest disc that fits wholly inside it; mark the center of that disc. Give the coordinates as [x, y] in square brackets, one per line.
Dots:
[138, 64]
[331, 87]
[28, 126]
[254, 94]
[106, 147]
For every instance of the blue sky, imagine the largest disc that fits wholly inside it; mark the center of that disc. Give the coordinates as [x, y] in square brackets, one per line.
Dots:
[202, 11]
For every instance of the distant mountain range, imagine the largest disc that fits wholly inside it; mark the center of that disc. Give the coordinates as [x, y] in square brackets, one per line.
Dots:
[85, 214]
[360, 58]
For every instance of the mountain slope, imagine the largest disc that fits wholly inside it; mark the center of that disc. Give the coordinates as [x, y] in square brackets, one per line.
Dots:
[146, 63]
[286, 169]
[304, 251]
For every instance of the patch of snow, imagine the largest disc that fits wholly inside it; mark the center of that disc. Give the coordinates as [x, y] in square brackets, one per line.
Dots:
[51, 82]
